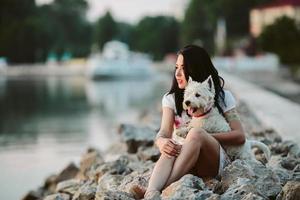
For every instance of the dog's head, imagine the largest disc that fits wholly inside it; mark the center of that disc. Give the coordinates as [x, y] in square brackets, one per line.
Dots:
[199, 96]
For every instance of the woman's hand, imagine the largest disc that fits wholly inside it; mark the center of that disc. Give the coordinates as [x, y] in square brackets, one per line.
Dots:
[169, 147]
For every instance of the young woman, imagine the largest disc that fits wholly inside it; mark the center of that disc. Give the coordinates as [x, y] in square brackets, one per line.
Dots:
[201, 153]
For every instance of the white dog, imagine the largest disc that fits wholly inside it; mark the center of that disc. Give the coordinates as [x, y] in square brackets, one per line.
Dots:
[200, 97]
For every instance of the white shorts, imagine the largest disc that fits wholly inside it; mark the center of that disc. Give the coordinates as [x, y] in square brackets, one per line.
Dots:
[224, 161]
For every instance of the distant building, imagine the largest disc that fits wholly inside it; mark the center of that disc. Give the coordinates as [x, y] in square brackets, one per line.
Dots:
[267, 14]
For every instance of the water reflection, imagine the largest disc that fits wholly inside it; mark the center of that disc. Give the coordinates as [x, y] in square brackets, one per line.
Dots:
[47, 122]
[113, 97]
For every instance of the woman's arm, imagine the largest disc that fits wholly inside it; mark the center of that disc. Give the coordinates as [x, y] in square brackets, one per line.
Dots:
[166, 127]
[163, 139]
[234, 137]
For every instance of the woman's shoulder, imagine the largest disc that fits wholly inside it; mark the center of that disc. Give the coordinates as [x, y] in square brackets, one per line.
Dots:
[168, 100]
[227, 93]
[229, 101]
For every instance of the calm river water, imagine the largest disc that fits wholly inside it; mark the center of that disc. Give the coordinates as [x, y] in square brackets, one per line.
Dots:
[47, 123]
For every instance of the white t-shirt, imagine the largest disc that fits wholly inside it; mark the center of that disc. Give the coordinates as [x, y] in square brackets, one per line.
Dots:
[168, 100]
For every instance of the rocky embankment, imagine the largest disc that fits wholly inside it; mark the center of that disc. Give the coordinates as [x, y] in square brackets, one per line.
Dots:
[132, 160]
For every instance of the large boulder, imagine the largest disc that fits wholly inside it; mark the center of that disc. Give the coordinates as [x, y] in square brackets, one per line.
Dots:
[291, 191]
[119, 166]
[261, 178]
[148, 153]
[108, 188]
[92, 158]
[188, 187]
[136, 136]
[241, 189]
[69, 186]
[68, 173]
[58, 196]
[86, 192]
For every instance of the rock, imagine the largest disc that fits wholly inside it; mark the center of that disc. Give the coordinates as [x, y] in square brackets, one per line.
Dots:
[241, 189]
[34, 195]
[140, 177]
[212, 184]
[151, 118]
[89, 159]
[266, 181]
[296, 173]
[131, 163]
[135, 136]
[69, 186]
[188, 186]
[114, 151]
[109, 181]
[286, 148]
[252, 196]
[283, 174]
[291, 191]
[58, 196]
[295, 151]
[263, 179]
[274, 161]
[86, 192]
[50, 183]
[237, 169]
[68, 173]
[119, 166]
[148, 153]
[289, 162]
[293, 148]
[108, 188]
[279, 148]
[114, 195]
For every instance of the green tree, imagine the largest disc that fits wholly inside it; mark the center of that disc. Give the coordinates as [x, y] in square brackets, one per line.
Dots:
[105, 30]
[28, 33]
[283, 39]
[17, 39]
[156, 35]
[237, 14]
[124, 32]
[68, 27]
[197, 25]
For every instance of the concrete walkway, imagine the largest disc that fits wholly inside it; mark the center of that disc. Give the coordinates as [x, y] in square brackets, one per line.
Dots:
[271, 109]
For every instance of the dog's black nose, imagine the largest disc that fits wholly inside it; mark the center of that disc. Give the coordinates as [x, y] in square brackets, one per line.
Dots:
[187, 103]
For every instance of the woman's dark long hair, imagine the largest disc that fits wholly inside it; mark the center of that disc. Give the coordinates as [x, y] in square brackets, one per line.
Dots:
[198, 65]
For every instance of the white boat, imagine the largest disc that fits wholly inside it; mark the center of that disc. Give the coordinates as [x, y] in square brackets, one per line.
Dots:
[117, 61]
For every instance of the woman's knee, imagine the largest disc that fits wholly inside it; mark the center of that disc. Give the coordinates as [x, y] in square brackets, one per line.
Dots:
[197, 134]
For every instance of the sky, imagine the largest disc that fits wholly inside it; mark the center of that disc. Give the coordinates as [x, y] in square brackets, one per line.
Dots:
[131, 11]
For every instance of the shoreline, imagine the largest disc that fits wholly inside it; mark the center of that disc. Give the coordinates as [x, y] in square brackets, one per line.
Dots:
[270, 109]
[132, 159]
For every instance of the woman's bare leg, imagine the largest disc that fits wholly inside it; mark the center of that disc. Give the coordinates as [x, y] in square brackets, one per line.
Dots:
[160, 173]
[199, 151]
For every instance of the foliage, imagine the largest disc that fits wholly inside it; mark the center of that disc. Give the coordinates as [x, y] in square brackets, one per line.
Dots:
[105, 30]
[201, 17]
[28, 33]
[66, 27]
[282, 38]
[196, 25]
[16, 22]
[156, 35]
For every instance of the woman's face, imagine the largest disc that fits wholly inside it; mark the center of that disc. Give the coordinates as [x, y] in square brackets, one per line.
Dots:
[179, 72]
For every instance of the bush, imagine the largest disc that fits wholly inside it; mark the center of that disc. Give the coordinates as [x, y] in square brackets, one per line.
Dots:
[283, 39]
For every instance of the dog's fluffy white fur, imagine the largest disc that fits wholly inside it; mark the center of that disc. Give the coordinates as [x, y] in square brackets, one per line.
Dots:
[201, 96]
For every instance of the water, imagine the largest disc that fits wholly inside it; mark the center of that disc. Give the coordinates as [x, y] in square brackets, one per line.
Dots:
[47, 123]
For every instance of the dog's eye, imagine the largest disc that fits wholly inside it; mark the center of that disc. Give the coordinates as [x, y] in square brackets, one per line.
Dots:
[197, 95]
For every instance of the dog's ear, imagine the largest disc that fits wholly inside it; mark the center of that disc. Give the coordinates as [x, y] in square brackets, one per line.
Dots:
[190, 79]
[209, 81]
